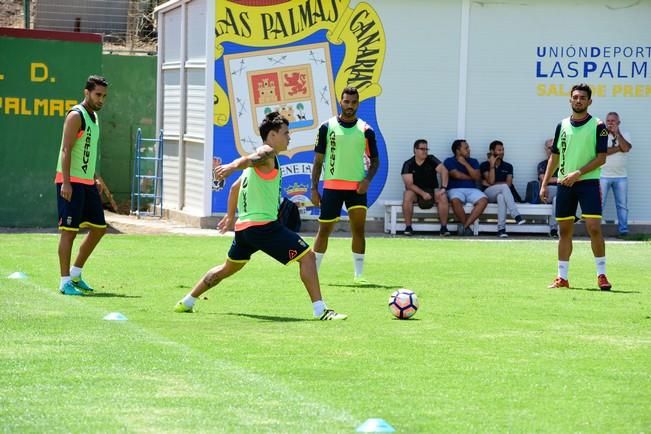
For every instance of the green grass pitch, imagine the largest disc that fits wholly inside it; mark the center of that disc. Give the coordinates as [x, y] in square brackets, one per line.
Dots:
[490, 350]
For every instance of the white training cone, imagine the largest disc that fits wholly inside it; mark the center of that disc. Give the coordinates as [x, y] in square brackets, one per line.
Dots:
[115, 316]
[375, 425]
[17, 275]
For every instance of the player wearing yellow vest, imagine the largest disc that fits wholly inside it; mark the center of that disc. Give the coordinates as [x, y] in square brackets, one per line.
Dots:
[579, 151]
[343, 143]
[256, 197]
[78, 189]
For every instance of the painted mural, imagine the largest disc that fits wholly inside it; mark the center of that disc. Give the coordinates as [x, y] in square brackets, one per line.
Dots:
[295, 58]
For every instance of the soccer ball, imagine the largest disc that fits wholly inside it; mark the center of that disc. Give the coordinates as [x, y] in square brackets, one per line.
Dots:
[403, 303]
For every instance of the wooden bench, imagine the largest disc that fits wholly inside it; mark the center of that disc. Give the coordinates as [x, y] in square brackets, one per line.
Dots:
[538, 217]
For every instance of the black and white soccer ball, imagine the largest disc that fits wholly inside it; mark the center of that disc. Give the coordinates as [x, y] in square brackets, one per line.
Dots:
[403, 303]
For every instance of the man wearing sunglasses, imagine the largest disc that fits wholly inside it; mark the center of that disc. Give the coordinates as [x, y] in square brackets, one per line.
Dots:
[419, 174]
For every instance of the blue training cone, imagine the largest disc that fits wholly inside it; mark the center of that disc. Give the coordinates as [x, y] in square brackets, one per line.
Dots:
[17, 275]
[375, 425]
[115, 316]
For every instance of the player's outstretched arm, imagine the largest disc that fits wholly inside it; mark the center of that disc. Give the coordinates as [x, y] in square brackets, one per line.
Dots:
[262, 154]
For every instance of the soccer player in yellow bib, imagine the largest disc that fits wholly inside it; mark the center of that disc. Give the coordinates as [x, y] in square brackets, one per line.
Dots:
[256, 197]
[343, 142]
[579, 151]
[78, 187]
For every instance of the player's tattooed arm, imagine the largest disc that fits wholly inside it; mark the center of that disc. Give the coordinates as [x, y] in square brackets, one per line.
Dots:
[262, 154]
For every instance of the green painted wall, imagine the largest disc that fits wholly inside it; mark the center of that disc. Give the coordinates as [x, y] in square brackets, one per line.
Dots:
[131, 104]
[39, 80]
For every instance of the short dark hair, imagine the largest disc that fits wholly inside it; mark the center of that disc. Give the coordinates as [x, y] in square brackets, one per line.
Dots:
[494, 144]
[456, 145]
[582, 87]
[349, 90]
[95, 80]
[272, 122]
[419, 142]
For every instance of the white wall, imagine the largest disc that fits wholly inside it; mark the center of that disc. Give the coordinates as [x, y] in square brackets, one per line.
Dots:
[184, 111]
[420, 81]
[502, 99]
[421, 85]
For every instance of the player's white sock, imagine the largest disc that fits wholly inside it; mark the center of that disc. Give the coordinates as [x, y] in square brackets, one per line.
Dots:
[189, 300]
[319, 306]
[64, 280]
[358, 261]
[601, 265]
[75, 272]
[563, 269]
[319, 258]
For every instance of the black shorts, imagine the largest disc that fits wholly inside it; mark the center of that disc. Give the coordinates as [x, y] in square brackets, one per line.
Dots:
[272, 238]
[84, 209]
[586, 193]
[332, 201]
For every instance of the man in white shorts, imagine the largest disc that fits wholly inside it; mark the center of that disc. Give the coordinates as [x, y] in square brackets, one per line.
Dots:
[464, 175]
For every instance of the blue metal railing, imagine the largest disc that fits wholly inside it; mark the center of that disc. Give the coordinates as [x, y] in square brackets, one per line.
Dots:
[147, 180]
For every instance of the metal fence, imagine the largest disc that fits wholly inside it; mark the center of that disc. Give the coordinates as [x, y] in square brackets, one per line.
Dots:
[126, 25]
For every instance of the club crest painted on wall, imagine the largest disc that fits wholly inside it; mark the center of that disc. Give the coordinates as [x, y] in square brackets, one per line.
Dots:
[295, 82]
[294, 57]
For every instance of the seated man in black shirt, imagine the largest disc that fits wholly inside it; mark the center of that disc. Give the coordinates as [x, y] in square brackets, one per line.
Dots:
[419, 176]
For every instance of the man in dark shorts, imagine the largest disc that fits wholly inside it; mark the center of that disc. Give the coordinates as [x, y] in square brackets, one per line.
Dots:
[579, 151]
[256, 197]
[78, 187]
[343, 142]
[419, 174]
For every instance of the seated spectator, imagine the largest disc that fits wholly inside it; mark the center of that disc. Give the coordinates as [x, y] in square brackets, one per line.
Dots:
[419, 176]
[464, 175]
[551, 187]
[497, 179]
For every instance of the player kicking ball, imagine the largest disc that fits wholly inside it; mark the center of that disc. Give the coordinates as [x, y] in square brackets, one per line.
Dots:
[255, 196]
